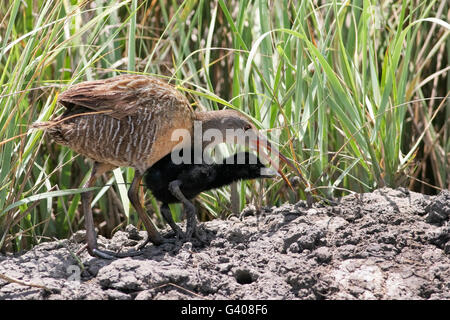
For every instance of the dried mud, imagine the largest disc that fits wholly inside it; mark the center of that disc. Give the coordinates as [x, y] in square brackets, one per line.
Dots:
[388, 244]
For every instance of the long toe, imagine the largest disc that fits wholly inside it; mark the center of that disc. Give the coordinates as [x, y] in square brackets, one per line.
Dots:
[141, 245]
[176, 233]
[196, 231]
[110, 255]
[131, 253]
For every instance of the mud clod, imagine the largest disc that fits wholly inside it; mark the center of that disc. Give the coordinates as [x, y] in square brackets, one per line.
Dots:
[439, 208]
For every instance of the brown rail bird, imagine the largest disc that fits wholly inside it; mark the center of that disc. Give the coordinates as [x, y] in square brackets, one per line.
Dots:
[129, 120]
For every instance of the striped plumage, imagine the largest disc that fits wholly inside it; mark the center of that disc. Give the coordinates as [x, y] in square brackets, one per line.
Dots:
[136, 126]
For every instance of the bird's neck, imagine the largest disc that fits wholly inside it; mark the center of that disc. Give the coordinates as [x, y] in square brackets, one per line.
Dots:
[209, 120]
[225, 175]
[228, 173]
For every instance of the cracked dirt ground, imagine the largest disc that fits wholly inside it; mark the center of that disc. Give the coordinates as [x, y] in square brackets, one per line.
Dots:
[388, 244]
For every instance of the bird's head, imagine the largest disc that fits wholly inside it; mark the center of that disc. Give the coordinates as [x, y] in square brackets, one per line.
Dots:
[232, 126]
[246, 165]
[224, 119]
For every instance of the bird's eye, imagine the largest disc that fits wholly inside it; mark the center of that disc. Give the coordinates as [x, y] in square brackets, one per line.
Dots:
[247, 127]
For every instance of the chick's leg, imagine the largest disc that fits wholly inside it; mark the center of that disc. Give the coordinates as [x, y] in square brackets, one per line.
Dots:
[167, 215]
[133, 194]
[191, 223]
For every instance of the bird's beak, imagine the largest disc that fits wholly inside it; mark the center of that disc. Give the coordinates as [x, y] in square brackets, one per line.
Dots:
[259, 142]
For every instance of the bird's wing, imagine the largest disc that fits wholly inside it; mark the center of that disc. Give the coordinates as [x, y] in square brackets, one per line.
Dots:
[119, 96]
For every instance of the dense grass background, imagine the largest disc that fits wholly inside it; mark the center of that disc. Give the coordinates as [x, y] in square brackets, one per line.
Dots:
[356, 90]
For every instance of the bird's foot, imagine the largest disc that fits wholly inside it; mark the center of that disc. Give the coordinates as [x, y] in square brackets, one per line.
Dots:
[167, 215]
[179, 234]
[141, 245]
[163, 240]
[193, 230]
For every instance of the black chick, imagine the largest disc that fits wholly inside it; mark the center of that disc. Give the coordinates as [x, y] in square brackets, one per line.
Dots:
[173, 183]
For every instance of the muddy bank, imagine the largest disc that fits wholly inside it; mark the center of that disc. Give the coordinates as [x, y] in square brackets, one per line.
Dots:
[388, 244]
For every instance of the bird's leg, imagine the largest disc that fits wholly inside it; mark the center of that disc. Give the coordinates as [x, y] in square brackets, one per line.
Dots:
[167, 215]
[86, 198]
[191, 219]
[133, 194]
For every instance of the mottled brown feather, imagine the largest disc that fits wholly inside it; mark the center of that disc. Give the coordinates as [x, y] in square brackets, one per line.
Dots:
[119, 96]
[141, 113]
